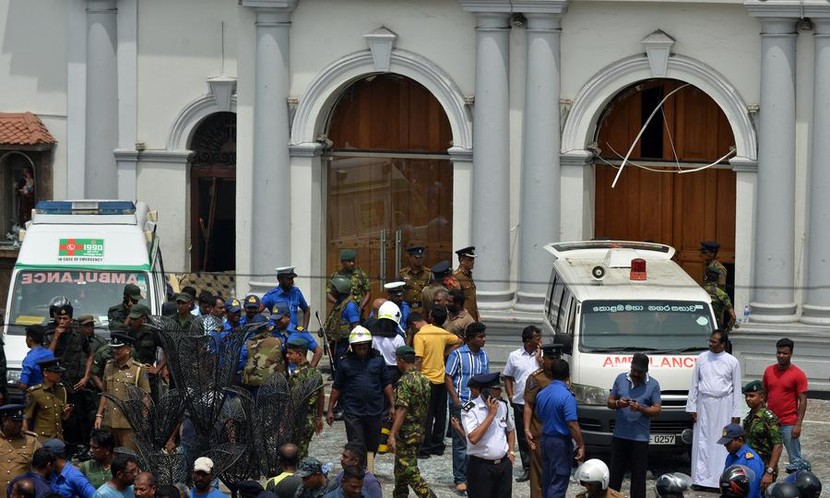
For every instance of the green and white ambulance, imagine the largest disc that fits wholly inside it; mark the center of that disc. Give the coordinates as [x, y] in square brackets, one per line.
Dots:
[609, 299]
[86, 251]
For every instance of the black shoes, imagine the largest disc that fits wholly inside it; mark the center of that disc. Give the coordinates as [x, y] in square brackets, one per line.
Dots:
[524, 477]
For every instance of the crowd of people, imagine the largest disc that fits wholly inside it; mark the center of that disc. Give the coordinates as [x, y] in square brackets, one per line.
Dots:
[408, 371]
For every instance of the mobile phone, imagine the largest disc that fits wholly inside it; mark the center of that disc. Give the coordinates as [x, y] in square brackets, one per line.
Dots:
[485, 394]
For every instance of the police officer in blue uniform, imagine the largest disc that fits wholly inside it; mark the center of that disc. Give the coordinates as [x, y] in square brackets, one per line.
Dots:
[491, 436]
[740, 453]
[556, 408]
[253, 314]
[286, 292]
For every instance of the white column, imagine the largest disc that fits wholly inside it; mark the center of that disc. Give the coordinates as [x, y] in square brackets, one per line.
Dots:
[101, 181]
[462, 195]
[491, 162]
[577, 193]
[817, 302]
[125, 155]
[773, 297]
[271, 189]
[540, 200]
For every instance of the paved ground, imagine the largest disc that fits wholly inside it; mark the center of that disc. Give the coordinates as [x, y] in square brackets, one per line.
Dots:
[438, 470]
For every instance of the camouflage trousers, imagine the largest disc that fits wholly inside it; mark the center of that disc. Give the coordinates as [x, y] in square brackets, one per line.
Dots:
[407, 473]
[306, 433]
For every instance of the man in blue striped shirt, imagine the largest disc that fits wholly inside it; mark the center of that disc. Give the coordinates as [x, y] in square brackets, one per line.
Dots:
[462, 364]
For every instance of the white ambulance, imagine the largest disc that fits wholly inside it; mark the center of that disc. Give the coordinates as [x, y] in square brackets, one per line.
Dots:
[86, 251]
[610, 299]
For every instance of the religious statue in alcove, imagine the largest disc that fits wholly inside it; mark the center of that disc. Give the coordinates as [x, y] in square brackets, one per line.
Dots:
[26, 196]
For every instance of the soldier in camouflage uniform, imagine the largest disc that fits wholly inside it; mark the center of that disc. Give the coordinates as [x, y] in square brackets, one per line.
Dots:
[117, 315]
[296, 352]
[709, 253]
[415, 276]
[261, 355]
[464, 276]
[763, 431]
[721, 304]
[411, 402]
[184, 305]
[342, 319]
[47, 404]
[360, 289]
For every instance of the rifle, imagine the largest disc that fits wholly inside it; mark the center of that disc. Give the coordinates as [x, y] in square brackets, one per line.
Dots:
[326, 348]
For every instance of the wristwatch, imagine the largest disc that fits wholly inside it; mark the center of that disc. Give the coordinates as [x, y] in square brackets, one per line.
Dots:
[770, 470]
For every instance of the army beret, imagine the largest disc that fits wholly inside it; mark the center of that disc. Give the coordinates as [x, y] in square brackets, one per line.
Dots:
[403, 351]
[467, 252]
[348, 255]
[297, 342]
[754, 386]
[139, 310]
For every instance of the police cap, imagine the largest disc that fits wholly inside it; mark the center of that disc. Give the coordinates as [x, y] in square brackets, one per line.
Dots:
[252, 301]
[441, 268]
[552, 350]
[395, 288]
[117, 339]
[730, 432]
[233, 305]
[416, 250]
[286, 271]
[709, 246]
[487, 380]
[51, 365]
[467, 252]
[12, 411]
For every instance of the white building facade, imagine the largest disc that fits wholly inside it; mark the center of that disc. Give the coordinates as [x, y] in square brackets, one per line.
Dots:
[123, 86]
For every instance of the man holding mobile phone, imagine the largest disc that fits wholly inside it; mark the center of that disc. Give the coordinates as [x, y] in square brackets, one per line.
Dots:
[636, 398]
[491, 435]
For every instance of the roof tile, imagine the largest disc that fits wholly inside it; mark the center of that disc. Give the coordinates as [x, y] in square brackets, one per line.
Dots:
[23, 128]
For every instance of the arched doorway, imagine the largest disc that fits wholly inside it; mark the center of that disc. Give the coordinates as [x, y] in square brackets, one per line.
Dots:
[658, 203]
[389, 177]
[213, 194]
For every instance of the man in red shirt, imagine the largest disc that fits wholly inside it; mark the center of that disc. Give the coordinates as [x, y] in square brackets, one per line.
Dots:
[786, 387]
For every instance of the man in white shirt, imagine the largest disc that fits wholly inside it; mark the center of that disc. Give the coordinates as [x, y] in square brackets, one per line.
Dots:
[491, 433]
[520, 364]
[714, 402]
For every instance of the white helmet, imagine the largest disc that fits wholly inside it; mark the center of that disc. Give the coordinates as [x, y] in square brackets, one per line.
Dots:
[390, 310]
[360, 334]
[593, 470]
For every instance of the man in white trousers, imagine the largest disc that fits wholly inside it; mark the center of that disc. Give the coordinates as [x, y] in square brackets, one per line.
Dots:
[715, 401]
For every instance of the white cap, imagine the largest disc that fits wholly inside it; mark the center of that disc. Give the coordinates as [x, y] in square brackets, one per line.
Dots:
[394, 285]
[203, 464]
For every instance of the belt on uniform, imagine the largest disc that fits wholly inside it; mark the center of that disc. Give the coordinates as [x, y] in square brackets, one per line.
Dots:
[491, 462]
[415, 306]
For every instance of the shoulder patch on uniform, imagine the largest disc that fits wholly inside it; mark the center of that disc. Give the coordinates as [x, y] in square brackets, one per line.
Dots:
[749, 455]
[468, 406]
[30, 433]
[300, 328]
[34, 388]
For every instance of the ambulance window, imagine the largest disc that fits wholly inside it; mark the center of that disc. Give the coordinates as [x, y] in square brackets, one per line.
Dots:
[561, 307]
[571, 316]
[555, 307]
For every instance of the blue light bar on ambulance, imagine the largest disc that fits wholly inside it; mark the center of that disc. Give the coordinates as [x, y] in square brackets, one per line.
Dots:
[85, 207]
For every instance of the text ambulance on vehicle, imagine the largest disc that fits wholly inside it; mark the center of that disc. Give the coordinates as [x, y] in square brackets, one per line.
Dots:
[86, 251]
[610, 299]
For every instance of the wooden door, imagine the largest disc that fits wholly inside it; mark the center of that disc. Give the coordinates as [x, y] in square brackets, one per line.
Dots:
[388, 172]
[213, 218]
[667, 207]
